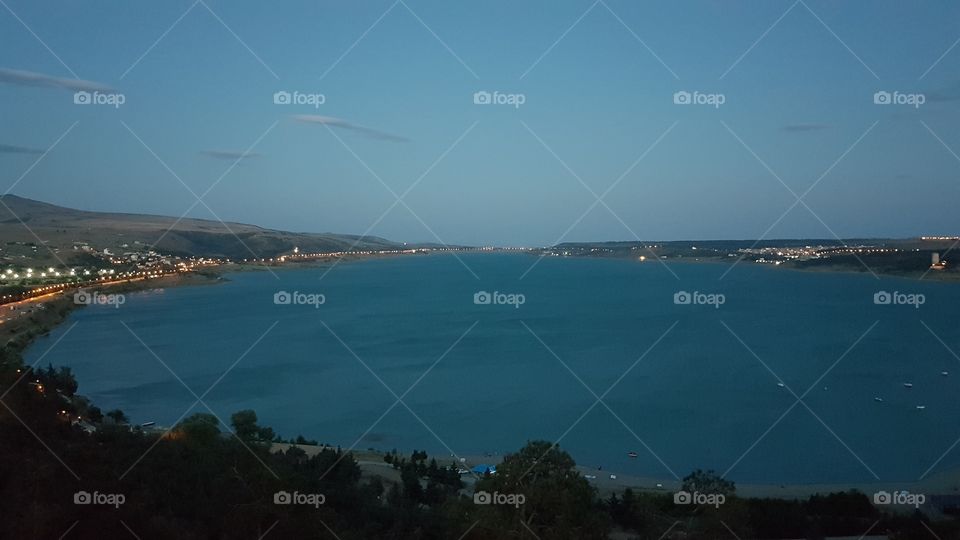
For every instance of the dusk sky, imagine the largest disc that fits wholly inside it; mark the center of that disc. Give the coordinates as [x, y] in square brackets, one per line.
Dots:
[797, 81]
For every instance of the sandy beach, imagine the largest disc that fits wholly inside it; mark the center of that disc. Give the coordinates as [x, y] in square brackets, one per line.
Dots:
[610, 482]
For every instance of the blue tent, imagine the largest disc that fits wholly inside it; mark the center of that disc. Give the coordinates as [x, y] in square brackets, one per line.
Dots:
[482, 469]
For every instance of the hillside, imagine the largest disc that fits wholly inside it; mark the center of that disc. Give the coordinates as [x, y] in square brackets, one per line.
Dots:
[61, 229]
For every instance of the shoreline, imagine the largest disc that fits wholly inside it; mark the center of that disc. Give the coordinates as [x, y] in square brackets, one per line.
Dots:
[26, 320]
[58, 305]
[942, 483]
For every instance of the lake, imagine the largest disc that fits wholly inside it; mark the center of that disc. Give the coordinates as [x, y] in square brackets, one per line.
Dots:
[678, 386]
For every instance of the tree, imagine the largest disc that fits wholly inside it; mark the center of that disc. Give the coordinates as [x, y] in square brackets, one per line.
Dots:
[202, 428]
[95, 414]
[557, 501]
[708, 482]
[266, 434]
[412, 490]
[245, 424]
[707, 521]
[60, 379]
[118, 416]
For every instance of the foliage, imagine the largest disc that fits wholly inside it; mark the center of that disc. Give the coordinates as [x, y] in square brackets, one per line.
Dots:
[558, 502]
[707, 482]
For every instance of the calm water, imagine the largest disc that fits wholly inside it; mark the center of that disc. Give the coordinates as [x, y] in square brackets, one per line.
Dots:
[699, 398]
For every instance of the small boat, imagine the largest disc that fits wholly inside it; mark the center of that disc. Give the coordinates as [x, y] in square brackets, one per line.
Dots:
[780, 384]
[632, 454]
[907, 385]
[878, 399]
[921, 407]
[944, 373]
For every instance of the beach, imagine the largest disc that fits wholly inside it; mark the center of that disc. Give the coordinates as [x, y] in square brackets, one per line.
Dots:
[372, 465]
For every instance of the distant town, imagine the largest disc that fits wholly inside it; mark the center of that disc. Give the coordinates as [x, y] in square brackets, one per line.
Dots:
[101, 266]
[104, 266]
[906, 257]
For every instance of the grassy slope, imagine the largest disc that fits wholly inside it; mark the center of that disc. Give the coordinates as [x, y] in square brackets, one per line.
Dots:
[33, 222]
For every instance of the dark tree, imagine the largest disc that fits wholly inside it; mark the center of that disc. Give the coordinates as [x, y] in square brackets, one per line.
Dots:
[708, 482]
[118, 416]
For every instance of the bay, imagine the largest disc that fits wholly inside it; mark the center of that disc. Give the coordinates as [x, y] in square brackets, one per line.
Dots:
[598, 356]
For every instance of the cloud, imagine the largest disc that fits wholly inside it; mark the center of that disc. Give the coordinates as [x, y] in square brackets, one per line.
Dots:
[337, 122]
[799, 128]
[11, 149]
[229, 154]
[29, 78]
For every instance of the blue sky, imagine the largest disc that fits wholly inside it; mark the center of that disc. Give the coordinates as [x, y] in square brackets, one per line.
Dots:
[799, 102]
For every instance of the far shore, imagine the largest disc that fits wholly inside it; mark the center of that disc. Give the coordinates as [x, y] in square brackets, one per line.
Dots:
[917, 275]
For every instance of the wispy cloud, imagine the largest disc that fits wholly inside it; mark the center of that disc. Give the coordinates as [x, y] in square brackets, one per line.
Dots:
[29, 78]
[229, 154]
[340, 123]
[11, 149]
[798, 128]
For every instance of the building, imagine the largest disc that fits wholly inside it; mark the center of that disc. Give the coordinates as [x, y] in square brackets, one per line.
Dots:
[936, 263]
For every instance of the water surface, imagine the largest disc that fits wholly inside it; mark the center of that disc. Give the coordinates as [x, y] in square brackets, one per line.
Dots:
[698, 398]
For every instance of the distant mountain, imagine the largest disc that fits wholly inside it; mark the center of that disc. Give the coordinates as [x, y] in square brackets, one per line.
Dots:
[62, 228]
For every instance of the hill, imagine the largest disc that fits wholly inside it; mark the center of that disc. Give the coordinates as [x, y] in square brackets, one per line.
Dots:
[27, 225]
